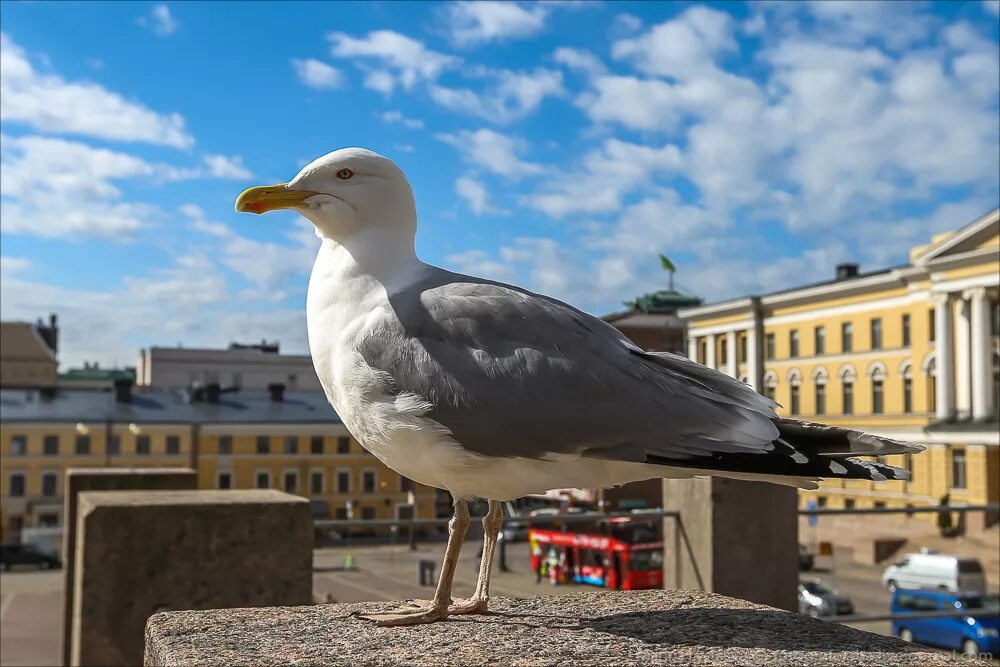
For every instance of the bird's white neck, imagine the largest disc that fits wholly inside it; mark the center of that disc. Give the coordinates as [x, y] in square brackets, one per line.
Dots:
[386, 255]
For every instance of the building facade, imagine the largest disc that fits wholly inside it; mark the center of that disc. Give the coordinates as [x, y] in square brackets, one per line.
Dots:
[253, 366]
[910, 353]
[28, 353]
[233, 440]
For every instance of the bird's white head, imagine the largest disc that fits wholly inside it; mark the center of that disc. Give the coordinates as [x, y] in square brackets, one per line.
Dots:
[343, 193]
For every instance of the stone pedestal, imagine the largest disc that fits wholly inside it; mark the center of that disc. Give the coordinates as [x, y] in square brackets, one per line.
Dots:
[143, 552]
[732, 537]
[106, 479]
[597, 629]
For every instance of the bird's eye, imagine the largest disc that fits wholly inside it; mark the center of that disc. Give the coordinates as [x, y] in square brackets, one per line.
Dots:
[345, 174]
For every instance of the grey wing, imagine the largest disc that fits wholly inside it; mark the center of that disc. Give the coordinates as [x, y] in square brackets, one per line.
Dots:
[511, 373]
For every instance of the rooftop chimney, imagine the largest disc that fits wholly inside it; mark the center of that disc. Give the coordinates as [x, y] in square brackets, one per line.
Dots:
[846, 270]
[212, 392]
[277, 392]
[50, 332]
[123, 390]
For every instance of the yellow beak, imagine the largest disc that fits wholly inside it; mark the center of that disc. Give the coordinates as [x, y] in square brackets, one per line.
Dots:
[266, 198]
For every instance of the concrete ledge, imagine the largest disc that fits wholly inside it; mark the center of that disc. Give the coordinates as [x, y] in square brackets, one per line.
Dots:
[601, 628]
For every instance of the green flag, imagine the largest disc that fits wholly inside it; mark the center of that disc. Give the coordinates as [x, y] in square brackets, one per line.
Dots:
[667, 264]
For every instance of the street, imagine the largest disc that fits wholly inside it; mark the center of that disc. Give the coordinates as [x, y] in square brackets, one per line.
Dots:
[31, 601]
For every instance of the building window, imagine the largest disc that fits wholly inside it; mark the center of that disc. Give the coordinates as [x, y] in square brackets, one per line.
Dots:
[50, 481]
[848, 396]
[291, 482]
[849, 503]
[878, 405]
[820, 399]
[742, 358]
[343, 481]
[368, 513]
[82, 444]
[50, 445]
[316, 482]
[263, 480]
[907, 395]
[702, 350]
[958, 480]
[846, 337]
[931, 325]
[225, 445]
[906, 330]
[16, 485]
[343, 445]
[225, 480]
[909, 465]
[340, 514]
[819, 339]
[368, 481]
[795, 407]
[723, 352]
[173, 445]
[263, 444]
[18, 445]
[291, 444]
[820, 502]
[316, 444]
[142, 444]
[876, 326]
[769, 351]
[793, 343]
[879, 504]
[114, 445]
[405, 484]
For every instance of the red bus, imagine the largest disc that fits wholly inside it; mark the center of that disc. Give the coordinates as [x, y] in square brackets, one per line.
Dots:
[624, 554]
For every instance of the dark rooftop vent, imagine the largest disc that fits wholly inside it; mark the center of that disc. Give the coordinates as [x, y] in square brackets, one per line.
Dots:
[212, 391]
[277, 392]
[47, 393]
[123, 390]
[846, 270]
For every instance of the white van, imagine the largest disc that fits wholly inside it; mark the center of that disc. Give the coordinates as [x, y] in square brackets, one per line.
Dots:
[929, 570]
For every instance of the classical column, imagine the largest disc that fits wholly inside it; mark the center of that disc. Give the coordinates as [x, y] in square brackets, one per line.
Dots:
[963, 359]
[753, 359]
[710, 350]
[982, 352]
[732, 366]
[692, 347]
[944, 372]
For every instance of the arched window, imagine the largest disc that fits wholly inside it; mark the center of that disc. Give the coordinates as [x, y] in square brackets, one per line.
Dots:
[847, 376]
[877, 373]
[795, 385]
[906, 373]
[770, 384]
[820, 378]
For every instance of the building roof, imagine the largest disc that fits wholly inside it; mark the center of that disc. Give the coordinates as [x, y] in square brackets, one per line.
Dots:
[98, 374]
[20, 341]
[163, 407]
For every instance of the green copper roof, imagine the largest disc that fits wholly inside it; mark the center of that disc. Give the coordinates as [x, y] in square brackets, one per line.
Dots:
[663, 302]
[97, 374]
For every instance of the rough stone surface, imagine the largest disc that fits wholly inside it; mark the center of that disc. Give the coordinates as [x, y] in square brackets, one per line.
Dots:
[143, 552]
[599, 629]
[106, 479]
[732, 537]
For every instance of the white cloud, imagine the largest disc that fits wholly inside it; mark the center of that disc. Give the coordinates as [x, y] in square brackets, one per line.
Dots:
[475, 195]
[266, 265]
[49, 103]
[992, 7]
[398, 117]
[227, 167]
[509, 97]
[316, 74]
[578, 59]
[604, 178]
[493, 151]
[160, 21]
[681, 46]
[486, 21]
[896, 24]
[11, 265]
[481, 263]
[400, 61]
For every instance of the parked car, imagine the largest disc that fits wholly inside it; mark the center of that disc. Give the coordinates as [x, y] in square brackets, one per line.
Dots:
[806, 560]
[976, 632]
[930, 570]
[817, 599]
[26, 554]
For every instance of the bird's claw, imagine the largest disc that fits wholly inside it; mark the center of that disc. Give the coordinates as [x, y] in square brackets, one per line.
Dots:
[471, 605]
[414, 614]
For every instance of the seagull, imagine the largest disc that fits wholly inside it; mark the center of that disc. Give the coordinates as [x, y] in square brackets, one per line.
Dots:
[491, 391]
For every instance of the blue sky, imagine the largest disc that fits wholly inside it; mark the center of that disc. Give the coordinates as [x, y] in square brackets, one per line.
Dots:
[559, 146]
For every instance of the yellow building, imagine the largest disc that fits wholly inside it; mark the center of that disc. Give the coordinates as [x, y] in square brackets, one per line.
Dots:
[909, 352]
[239, 439]
[28, 353]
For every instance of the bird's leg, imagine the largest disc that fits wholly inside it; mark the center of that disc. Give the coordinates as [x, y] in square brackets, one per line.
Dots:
[437, 609]
[479, 601]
